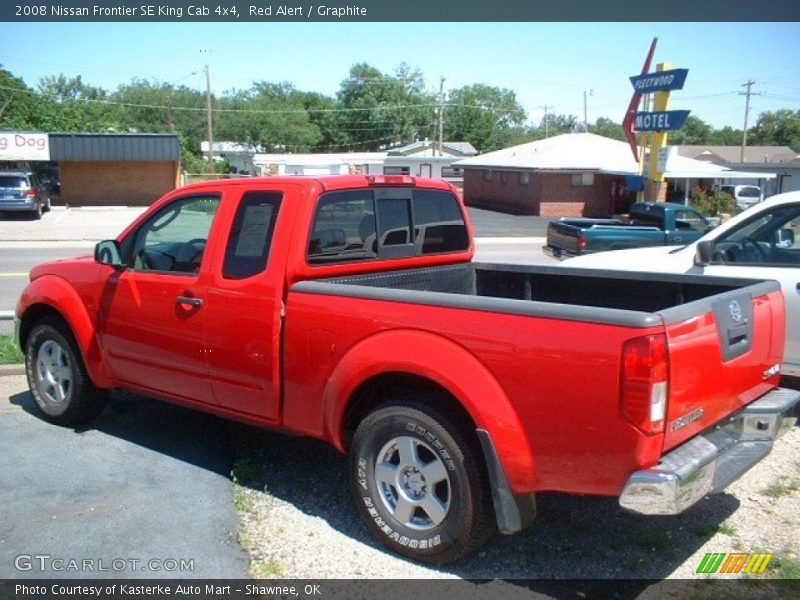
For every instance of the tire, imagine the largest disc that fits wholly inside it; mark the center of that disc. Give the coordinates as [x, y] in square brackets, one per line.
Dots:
[36, 213]
[57, 376]
[420, 483]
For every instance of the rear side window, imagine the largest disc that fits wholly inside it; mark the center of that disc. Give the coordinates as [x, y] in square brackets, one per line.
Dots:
[247, 250]
[386, 223]
[439, 223]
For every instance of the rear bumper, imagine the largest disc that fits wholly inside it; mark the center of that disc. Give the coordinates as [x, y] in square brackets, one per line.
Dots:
[18, 205]
[559, 253]
[711, 461]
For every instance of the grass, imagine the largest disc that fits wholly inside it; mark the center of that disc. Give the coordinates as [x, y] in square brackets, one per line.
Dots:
[267, 568]
[711, 529]
[243, 474]
[783, 486]
[785, 567]
[9, 353]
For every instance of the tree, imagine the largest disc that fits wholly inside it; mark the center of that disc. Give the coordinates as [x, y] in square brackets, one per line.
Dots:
[694, 132]
[779, 128]
[272, 116]
[727, 136]
[485, 116]
[608, 128]
[377, 110]
[69, 104]
[18, 103]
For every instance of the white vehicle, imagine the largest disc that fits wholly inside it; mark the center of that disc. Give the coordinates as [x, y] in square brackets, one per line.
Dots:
[762, 243]
[745, 195]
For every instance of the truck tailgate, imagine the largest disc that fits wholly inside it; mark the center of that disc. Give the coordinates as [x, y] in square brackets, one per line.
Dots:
[721, 360]
[564, 237]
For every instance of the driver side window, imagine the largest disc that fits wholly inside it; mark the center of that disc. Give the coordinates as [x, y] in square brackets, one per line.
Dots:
[174, 239]
[768, 239]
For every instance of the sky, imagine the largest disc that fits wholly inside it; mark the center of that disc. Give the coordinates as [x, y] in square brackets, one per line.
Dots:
[545, 64]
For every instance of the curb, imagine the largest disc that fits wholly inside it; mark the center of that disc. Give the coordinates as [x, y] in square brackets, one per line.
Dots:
[9, 370]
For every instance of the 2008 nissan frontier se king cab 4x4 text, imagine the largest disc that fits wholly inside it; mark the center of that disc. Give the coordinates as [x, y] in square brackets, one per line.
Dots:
[348, 309]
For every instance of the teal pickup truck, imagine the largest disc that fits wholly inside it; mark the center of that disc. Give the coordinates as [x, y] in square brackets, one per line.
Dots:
[647, 224]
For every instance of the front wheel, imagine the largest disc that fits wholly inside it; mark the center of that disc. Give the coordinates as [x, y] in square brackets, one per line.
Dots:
[57, 377]
[420, 483]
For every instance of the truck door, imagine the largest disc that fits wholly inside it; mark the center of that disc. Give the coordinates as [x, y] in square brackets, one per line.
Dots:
[152, 314]
[243, 317]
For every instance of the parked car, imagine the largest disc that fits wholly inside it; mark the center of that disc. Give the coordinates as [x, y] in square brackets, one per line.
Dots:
[761, 242]
[648, 224]
[745, 195]
[348, 309]
[23, 191]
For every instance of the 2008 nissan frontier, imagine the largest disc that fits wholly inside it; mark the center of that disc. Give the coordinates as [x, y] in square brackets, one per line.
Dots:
[349, 309]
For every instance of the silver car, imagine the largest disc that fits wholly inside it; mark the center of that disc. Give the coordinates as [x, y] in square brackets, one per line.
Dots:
[23, 191]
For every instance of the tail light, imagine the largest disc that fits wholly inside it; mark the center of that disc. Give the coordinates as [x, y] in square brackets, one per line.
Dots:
[644, 389]
[583, 242]
[31, 193]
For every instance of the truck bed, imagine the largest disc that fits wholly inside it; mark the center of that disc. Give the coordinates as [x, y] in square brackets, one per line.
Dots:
[558, 292]
[561, 324]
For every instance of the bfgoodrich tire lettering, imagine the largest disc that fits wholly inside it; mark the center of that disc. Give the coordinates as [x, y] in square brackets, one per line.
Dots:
[420, 483]
[57, 377]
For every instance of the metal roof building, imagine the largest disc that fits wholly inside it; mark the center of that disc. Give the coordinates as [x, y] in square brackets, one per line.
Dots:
[132, 169]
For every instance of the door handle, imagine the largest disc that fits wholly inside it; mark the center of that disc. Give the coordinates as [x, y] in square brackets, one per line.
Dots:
[190, 300]
[677, 238]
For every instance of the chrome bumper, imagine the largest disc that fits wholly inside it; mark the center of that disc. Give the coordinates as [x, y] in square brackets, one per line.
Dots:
[711, 461]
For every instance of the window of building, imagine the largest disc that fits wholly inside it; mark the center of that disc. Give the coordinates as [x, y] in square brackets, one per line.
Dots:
[488, 175]
[503, 176]
[452, 172]
[581, 179]
[395, 170]
[524, 178]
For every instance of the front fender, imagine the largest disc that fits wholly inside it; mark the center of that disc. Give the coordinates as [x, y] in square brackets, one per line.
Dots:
[52, 293]
[453, 368]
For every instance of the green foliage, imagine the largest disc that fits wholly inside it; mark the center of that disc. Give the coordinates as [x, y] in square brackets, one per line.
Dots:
[779, 128]
[483, 115]
[9, 353]
[712, 205]
[694, 132]
[372, 110]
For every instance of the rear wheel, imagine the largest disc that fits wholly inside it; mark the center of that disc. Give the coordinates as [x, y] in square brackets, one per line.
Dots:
[57, 376]
[420, 483]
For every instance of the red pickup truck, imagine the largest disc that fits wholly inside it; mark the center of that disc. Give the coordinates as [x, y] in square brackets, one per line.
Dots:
[349, 309]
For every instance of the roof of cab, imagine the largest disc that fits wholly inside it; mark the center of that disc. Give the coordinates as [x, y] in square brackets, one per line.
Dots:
[329, 182]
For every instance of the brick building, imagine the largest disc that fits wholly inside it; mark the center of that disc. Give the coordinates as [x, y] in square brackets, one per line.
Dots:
[567, 175]
[115, 169]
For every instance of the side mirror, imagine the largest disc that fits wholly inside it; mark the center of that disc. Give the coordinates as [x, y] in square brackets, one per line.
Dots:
[704, 254]
[108, 253]
[784, 238]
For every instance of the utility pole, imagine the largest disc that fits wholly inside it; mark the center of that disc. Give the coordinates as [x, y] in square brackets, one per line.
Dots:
[585, 110]
[748, 84]
[208, 116]
[441, 116]
[546, 121]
